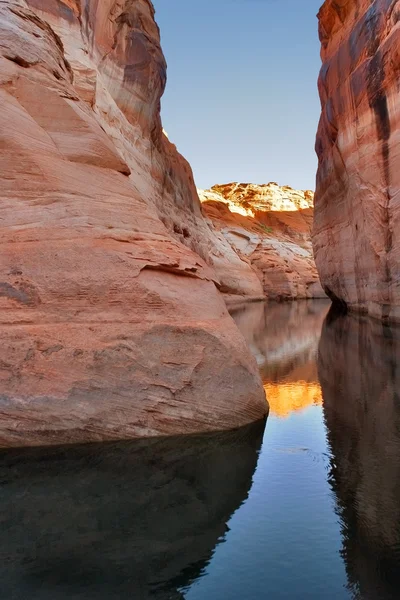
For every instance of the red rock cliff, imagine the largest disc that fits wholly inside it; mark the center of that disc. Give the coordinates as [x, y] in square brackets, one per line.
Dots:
[269, 227]
[111, 322]
[357, 204]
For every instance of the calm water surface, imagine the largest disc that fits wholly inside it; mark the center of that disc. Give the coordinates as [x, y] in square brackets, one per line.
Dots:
[304, 507]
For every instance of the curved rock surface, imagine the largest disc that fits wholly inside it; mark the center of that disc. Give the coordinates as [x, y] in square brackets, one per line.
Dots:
[111, 322]
[269, 227]
[357, 205]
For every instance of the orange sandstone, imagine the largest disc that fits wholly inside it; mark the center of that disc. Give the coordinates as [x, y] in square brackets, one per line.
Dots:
[269, 227]
[357, 203]
[111, 322]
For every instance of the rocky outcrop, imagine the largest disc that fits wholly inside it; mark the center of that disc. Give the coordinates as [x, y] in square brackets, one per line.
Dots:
[138, 519]
[358, 362]
[250, 199]
[357, 205]
[111, 322]
[269, 227]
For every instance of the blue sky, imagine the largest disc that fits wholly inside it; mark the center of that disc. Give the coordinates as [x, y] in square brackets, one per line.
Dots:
[241, 102]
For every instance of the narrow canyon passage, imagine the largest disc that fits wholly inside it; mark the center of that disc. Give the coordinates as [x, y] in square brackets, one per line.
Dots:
[185, 414]
[116, 272]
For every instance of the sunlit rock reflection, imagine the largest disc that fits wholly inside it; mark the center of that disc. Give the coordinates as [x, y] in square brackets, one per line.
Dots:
[286, 398]
[284, 339]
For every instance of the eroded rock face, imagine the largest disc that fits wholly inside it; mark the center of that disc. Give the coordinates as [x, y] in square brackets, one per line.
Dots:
[253, 198]
[269, 227]
[111, 322]
[357, 206]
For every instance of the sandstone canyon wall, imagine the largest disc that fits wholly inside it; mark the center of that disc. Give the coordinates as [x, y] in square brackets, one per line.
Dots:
[111, 322]
[357, 206]
[269, 227]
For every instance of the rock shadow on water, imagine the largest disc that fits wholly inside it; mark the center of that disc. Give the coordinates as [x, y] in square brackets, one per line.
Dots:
[359, 371]
[136, 519]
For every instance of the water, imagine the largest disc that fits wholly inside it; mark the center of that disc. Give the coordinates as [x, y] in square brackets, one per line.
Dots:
[304, 507]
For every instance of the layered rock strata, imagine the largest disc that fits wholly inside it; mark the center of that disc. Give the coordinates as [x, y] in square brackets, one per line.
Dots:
[357, 205]
[111, 322]
[269, 227]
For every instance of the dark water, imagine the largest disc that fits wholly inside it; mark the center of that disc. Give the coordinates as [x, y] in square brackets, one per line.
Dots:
[304, 507]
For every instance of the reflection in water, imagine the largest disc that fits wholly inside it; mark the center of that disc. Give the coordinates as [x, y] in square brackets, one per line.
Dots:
[146, 519]
[359, 370]
[129, 520]
[286, 398]
[284, 339]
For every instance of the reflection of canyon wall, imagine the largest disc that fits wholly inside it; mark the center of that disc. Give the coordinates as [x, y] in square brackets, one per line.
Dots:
[111, 323]
[357, 202]
[284, 339]
[359, 370]
[269, 227]
[129, 520]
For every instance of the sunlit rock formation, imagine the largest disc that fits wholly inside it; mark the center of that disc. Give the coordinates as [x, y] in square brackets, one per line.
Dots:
[111, 322]
[284, 339]
[270, 227]
[138, 519]
[358, 364]
[357, 204]
[249, 198]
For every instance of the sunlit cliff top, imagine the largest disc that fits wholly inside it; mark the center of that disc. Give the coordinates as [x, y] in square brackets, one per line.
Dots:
[249, 198]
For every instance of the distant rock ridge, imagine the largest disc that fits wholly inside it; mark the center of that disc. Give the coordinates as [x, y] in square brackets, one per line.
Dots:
[251, 197]
[269, 227]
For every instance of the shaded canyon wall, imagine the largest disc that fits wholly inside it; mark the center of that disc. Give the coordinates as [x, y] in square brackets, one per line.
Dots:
[357, 204]
[111, 324]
